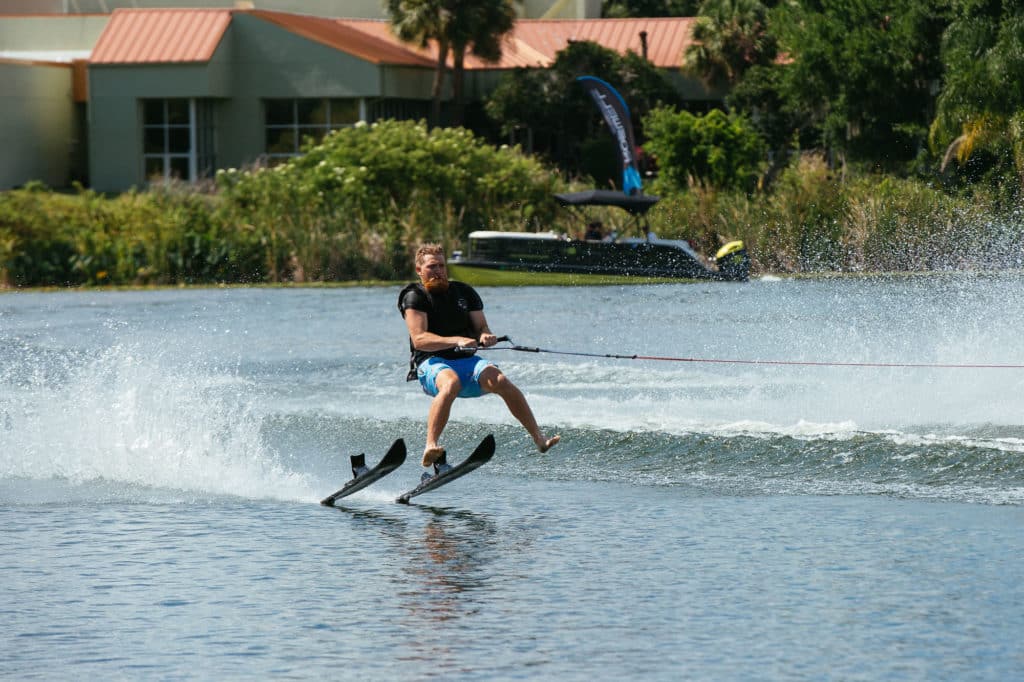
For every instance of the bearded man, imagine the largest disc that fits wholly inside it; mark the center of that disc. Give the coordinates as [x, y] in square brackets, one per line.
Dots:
[446, 326]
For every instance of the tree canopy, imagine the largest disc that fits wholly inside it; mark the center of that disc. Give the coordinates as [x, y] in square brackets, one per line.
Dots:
[980, 110]
[932, 87]
[553, 114]
[730, 37]
[715, 150]
[864, 70]
[458, 27]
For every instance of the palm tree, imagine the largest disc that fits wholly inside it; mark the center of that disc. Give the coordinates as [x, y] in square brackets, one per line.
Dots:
[420, 21]
[482, 25]
[730, 36]
[458, 27]
[981, 105]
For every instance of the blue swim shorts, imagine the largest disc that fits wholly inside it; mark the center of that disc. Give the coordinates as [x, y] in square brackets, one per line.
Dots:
[467, 369]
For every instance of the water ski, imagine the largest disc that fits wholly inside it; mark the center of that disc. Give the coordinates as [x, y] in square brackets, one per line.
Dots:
[363, 476]
[480, 456]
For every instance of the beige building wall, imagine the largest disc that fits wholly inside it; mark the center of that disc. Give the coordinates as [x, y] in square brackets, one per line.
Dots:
[561, 9]
[269, 62]
[115, 116]
[31, 6]
[55, 34]
[37, 124]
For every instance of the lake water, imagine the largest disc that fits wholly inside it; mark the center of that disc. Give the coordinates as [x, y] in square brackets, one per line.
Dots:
[162, 454]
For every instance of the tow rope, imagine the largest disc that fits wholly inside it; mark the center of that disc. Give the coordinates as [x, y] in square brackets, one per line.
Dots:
[807, 363]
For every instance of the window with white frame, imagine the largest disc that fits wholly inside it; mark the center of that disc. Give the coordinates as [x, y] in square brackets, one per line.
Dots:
[290, 121]
[178, 139]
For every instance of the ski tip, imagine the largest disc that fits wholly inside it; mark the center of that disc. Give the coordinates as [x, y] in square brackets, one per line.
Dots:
[327, 502]
[487, 446]
[397, 451]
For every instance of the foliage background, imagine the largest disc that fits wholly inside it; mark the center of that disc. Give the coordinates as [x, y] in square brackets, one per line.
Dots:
[354, 207]
[322, 218]
[858, 135]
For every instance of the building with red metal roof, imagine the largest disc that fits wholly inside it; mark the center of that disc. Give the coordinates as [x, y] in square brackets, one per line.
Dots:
[182, 92]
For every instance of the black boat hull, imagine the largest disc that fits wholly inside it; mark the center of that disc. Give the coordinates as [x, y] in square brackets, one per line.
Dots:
[624, 258]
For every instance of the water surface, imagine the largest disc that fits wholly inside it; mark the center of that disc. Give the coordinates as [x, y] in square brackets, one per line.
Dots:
[162, 454]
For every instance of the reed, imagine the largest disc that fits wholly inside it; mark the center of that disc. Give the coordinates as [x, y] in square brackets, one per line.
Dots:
[814, 221]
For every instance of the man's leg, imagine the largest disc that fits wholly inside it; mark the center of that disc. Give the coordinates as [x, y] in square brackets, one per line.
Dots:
[493, 381]
[448, 387]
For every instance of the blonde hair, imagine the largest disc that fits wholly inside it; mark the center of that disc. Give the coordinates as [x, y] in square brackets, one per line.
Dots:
[429, 250]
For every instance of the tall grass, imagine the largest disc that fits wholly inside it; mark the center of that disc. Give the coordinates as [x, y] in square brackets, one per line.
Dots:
[357, 207]
[813, 221]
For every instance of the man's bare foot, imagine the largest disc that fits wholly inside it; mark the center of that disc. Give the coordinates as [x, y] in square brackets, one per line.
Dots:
[431, 454]
[548, 444]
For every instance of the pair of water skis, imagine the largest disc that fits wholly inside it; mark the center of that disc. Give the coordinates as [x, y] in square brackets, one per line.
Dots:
[363, 476]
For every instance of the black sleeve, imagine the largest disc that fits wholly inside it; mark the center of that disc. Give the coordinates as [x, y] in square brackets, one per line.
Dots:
[412, 297]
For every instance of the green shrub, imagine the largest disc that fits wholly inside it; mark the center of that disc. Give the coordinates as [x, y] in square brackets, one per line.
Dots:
[717, 150]
[358, 204]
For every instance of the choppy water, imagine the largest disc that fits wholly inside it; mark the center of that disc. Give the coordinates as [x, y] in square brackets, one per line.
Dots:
[161, 455]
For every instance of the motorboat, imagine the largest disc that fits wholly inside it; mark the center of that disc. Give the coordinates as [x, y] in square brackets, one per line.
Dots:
[495, 257]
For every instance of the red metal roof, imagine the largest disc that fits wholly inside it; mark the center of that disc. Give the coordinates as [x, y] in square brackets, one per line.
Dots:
[535, 42]
[667, 37]
[191, 35]
[160, 36]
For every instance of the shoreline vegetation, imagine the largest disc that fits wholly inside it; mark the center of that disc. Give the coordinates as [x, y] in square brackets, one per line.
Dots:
[352, 284]
[353, 209]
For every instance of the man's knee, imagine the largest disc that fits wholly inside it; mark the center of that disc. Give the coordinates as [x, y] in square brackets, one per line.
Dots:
[448, 385]
[493, 381]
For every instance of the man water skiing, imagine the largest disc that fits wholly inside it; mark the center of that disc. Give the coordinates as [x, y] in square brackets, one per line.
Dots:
[444, 317]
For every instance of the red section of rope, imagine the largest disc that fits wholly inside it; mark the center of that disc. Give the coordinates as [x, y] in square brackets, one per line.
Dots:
[831, 364]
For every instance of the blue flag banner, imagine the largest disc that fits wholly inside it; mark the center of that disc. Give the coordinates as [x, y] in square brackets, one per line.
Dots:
[616, 115]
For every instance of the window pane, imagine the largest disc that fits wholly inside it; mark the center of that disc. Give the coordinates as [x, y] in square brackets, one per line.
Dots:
[178, 140]
[154, 167]
[309, 109]
[153, 141]
[152, 111]
[344, 112]
[177, 111]
[179, 168]
[280, 112]
[319, 115]
[280, 141]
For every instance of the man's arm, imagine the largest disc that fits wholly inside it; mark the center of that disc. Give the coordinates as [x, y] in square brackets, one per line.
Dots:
[483, 332]
[416, 321]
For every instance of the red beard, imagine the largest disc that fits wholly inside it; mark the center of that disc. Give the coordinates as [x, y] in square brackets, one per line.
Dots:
[438, 285]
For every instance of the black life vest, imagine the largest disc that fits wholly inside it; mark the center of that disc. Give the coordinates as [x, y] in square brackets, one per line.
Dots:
[447, 315]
